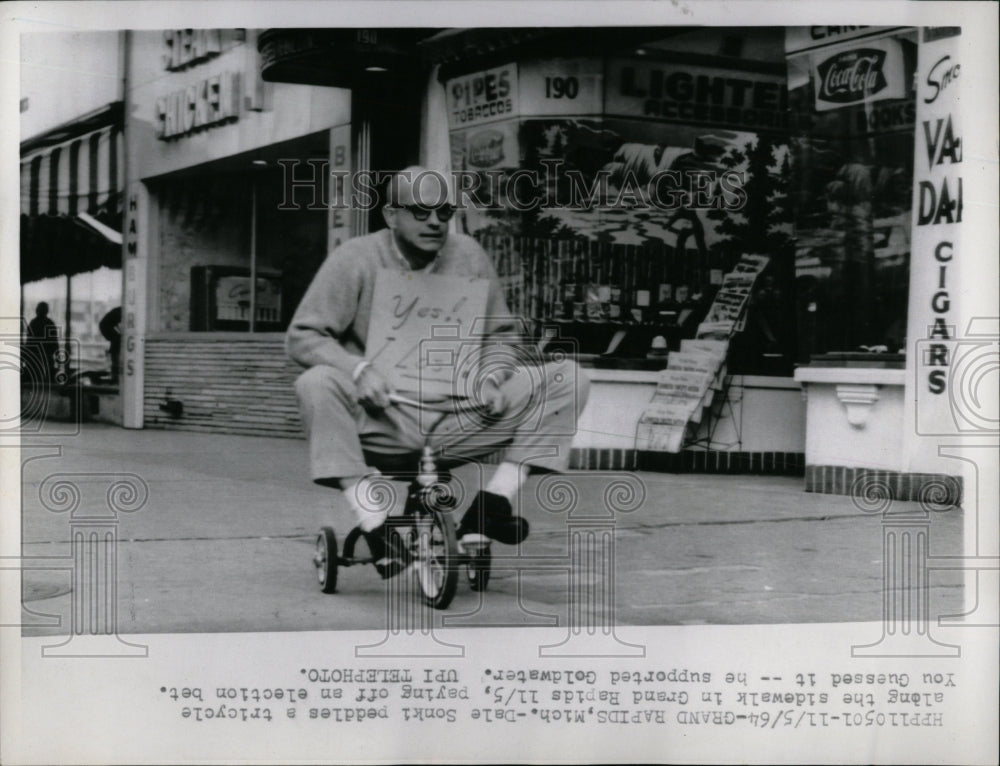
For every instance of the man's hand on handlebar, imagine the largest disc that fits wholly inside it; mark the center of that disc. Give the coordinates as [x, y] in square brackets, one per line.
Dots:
[373, 389]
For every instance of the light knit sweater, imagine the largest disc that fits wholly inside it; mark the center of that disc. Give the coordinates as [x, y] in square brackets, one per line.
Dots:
[331, 323]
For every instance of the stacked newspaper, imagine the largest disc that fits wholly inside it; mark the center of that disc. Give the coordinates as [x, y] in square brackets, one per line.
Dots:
[694, 373]
[731, 301]
[683, 390]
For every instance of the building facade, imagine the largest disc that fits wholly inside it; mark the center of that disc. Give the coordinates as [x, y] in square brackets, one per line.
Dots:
[205, 221]
[72, 176]
[236, 137]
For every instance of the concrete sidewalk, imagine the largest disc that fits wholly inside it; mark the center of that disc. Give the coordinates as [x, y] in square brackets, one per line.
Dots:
[225, 540]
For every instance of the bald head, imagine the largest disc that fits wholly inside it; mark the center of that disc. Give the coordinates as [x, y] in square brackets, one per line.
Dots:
[416, 185]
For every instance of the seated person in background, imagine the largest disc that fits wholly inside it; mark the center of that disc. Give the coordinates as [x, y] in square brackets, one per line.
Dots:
[111, 328]
[43, 343]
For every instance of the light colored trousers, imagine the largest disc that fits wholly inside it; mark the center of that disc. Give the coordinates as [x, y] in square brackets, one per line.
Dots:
[346, 440]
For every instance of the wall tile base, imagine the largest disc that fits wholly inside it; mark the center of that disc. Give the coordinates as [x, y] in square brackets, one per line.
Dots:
[764, 463]
[932, 489]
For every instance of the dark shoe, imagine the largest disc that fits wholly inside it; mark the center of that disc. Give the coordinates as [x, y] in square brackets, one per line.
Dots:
[388, 551]
[492, 517]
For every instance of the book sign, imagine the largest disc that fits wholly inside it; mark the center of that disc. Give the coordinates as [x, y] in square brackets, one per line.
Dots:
[423, 335]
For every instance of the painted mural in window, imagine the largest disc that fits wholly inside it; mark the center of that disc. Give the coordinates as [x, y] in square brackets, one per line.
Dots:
[631, 224]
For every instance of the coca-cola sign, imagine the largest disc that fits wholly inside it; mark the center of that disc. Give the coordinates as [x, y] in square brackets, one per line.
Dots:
[851, 76]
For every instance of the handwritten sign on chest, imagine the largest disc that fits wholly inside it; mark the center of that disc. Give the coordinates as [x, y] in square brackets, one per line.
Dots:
[420, 336]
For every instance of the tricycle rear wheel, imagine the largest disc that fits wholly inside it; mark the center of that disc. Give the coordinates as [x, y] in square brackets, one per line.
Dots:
[325, 560]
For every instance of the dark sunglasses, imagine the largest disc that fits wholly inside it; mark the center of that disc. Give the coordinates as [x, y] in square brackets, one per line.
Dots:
[420, 213]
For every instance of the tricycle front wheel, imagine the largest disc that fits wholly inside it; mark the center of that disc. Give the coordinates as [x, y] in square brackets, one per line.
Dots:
[436, 555]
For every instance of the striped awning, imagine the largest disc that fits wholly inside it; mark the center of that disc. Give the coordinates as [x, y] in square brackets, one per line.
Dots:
[72, 176]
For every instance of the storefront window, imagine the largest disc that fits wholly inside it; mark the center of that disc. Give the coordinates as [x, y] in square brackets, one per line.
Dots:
[852, 181]
[630, 228]
[220, 224]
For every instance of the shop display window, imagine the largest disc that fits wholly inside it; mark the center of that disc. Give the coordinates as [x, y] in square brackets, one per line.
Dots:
[220, 229]
[614, 268]
[851, 190]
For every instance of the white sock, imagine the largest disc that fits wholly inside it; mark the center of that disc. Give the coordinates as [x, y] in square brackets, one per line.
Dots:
[371, 500]
[507, 480]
